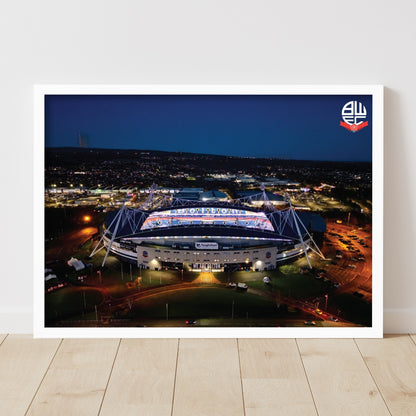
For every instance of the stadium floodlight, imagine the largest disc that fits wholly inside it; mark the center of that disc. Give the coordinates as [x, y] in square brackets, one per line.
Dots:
[296, 222]
[99, 247]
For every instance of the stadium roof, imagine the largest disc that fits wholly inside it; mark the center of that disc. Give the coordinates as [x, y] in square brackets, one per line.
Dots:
[208, 231]
[312, 221]
[130, 226]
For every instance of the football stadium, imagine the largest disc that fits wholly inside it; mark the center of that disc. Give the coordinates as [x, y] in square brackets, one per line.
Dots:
[207, 236]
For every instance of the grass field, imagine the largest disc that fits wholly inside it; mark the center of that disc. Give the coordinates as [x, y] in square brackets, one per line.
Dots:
[354, 309]
[296, 285]
[122, 279]
[206, 303]
[69, 301]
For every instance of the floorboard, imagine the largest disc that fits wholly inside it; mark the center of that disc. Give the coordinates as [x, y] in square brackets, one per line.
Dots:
[142, 380]
[274, 381]
[392, 363]
[77, 378]
[340, 381]
[23, 364]
[208, 378]
[253, 377]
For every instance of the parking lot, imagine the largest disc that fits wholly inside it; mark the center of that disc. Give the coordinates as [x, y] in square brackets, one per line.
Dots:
[349, 248]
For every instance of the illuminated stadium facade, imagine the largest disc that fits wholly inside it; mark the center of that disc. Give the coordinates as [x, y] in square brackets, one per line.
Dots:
[209, 236]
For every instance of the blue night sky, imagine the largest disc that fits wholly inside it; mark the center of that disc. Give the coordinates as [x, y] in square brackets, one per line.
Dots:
[290, 127]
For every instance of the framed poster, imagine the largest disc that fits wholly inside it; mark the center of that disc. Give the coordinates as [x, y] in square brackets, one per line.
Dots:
[208, 211]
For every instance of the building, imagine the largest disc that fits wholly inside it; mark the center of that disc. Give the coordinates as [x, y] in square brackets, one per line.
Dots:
[190, 194]
[245, 179]
[210, 236]
[198, 194]
[256, 197]
[213, 196]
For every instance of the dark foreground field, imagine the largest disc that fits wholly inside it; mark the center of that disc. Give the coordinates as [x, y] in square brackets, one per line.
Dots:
[123, 295]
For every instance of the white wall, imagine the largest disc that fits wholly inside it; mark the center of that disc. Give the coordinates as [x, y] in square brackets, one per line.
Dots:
[189, 41]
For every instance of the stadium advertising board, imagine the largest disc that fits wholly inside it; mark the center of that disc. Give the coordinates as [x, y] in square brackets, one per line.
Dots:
[206, 246]
[207, 216]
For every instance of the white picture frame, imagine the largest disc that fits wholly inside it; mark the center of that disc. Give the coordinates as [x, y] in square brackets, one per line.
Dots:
[376, 330]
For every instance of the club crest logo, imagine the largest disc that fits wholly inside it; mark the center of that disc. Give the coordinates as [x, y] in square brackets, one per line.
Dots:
[354, 114]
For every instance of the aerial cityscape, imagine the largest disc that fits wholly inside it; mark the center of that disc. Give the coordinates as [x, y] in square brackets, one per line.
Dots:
[219, 235]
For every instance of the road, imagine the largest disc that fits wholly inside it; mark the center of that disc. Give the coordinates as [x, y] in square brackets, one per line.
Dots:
[68, 244]
[304, 306]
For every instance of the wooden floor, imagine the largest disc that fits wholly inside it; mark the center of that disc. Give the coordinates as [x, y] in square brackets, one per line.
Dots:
[208, 376]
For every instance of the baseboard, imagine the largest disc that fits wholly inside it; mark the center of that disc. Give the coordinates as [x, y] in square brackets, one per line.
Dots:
[15, 320]
[400, 321]
[20, 321]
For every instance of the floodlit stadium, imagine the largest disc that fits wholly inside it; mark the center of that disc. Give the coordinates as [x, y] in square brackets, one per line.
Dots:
[209, 235]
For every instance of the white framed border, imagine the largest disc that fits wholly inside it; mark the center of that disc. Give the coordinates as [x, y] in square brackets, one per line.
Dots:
[375, 331]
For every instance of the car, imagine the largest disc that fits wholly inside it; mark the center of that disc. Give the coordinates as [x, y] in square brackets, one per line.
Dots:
[309, 323]
[318, 312]
[231, 285]
[242, 286]
[353, 266]
[332, 318]
[190, 322]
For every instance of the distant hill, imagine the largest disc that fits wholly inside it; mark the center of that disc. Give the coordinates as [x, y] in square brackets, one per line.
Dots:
[76, 155]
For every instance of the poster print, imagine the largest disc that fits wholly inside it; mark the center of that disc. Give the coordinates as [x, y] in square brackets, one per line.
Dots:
[208, 211]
